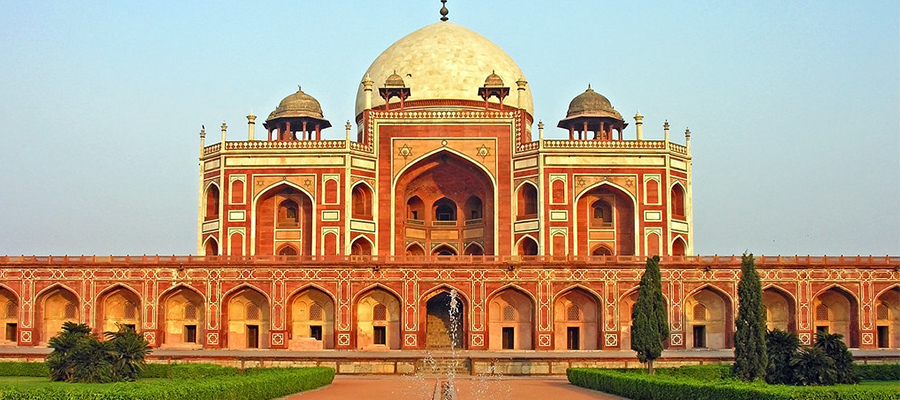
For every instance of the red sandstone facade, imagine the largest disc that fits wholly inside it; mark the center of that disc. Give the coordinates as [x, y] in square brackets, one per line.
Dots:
[357, 243]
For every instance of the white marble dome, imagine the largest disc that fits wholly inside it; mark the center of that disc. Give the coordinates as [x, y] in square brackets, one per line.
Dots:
[444, 61]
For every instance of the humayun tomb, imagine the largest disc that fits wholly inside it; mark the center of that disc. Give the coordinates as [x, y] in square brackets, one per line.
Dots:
[443, 183]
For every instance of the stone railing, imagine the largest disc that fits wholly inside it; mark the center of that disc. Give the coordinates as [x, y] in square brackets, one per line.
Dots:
[568, 262]
[605, 144]
[286, 144]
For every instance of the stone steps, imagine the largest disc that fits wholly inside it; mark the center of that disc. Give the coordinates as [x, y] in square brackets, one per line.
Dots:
[441, 366]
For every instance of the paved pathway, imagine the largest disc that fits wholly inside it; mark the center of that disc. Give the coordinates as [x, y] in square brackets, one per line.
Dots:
[358, 387]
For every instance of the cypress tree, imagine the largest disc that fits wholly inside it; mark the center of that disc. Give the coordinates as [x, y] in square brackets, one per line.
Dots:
[750, 357]
[649, 326]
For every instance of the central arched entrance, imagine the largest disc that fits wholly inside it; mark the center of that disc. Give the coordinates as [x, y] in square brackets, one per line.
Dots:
[445, 203]
[444, 322]
[606, 223]
[284, 222]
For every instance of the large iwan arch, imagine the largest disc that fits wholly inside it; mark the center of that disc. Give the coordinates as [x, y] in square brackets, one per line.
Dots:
[444, 195]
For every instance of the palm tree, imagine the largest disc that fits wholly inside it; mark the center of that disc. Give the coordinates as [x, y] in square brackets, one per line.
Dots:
[128, 349]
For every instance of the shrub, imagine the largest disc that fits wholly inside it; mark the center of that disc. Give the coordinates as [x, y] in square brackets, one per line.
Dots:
[877, 372]
[127, 351]
[833, 345]
[812, 366]
[79, 356]
[781, 347]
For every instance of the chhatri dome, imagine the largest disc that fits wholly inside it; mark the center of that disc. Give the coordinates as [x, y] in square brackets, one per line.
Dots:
[444, 61]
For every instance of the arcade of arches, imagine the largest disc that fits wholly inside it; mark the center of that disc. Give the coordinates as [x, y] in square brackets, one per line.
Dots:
[387, 316]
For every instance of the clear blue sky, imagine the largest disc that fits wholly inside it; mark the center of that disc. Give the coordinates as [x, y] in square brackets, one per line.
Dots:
[794, 106]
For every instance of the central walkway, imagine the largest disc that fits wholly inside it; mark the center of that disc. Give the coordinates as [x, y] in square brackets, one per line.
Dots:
[394, 387]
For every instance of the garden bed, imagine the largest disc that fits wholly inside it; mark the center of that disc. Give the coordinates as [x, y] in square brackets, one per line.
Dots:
[712, 383]
[183, 381]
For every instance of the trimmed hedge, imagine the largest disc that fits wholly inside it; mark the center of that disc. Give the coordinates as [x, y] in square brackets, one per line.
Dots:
[24, 369]
[641, 386]
[258, 384]
[878, 372]
[187, 371]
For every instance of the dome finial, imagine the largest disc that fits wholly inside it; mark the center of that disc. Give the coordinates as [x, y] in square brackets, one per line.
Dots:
[298, 88]
[444, 10]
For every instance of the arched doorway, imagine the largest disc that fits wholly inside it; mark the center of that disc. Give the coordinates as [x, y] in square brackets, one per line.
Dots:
[120, 306]
[510, 325]
[361, 247]
[9, 315]
[248, 320]
[679, 247]
[528, 247]
[779, 310]
[606, 219]
[710, 320]
[57, 306]
[444, 322]
[626, 310]
[444, 250]
[887, 319]
[836, 311]
[378, 320]
[444, 199]
[576, 321]
[184, 319]
[284, 218]
[312, 321]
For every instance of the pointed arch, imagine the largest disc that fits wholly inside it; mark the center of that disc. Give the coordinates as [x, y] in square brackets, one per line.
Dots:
[415, 249]
[474, 249]
[211, 201]
[527, 246]
[780, 308]
[622, 213]
[445, 320]
[577, 319]
[679, 246]
[381, 331]
[444, 249]
[439, 177]
[716, 331]
[473, 209]
[311, 312]
[601, 250]
[887, 318]
[361, 200]
[267, 218]
[246, 312]
[511, 318]
[57, 304]
[211, 246]
[677, 198]
[527, 200]
[361, 246]
[444, 209]
[9, 315]
[843, 314]
[119, 304]
[182, 317]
